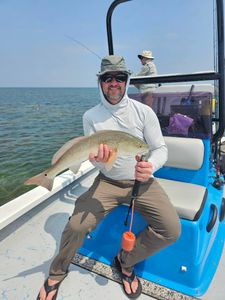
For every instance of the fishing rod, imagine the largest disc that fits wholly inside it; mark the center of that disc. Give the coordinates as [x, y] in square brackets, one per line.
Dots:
[81, 44]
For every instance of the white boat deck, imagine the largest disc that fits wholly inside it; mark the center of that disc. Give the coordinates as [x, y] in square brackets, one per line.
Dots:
[29, 244]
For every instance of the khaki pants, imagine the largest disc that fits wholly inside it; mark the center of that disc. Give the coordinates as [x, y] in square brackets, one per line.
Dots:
[103, 196]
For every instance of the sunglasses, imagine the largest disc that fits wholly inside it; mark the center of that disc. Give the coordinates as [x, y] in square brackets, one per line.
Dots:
[107, 78]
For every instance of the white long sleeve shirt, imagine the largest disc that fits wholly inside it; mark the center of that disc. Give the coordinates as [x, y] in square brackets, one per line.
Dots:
[132, 117]
[149, 69]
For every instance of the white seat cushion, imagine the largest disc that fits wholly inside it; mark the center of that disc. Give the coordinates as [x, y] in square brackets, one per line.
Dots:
[184, 153]
[187, 198]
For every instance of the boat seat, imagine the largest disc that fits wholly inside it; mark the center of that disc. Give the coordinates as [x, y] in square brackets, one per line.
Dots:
[184, 153]
[187, 198]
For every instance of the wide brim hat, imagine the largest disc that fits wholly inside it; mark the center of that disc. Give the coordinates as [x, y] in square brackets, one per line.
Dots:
[146, 54]
[113, 63]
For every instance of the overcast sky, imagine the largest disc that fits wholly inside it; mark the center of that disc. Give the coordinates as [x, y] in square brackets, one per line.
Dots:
[36, 50]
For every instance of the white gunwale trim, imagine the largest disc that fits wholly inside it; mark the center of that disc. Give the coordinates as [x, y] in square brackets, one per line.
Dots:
[17, 207]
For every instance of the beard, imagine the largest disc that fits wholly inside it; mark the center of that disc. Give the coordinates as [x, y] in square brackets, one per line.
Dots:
[114, 97]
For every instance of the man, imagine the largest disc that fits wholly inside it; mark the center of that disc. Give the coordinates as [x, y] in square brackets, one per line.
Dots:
[111, 188]
[148, 69]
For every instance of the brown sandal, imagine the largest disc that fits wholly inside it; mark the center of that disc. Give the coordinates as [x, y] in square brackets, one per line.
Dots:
[50, 288]
[129, 279]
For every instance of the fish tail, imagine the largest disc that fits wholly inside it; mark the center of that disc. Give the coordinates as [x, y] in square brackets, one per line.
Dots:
[41, 179]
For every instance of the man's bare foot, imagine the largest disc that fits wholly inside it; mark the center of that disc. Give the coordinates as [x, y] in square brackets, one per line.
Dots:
[45, 295]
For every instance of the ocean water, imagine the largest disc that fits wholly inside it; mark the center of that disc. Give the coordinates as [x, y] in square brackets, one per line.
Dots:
[34, 124]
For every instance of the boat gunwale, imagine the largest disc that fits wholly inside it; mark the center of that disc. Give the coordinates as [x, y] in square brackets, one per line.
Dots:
[14, 209]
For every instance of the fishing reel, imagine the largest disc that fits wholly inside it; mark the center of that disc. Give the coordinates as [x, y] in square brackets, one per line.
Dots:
[219, 164]
[218, 183]
[220, 172]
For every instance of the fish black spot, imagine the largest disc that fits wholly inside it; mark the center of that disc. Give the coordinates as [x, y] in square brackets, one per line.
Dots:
[46, 174]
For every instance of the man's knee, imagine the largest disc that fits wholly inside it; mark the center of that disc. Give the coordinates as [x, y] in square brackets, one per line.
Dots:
[173, 230]
[168, 230]
[81, 224]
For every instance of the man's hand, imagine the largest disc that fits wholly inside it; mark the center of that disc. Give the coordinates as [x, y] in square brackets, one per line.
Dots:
[104, 154]
[143, 169]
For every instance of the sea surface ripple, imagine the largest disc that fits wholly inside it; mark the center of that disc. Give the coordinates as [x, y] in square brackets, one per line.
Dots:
[34, 124]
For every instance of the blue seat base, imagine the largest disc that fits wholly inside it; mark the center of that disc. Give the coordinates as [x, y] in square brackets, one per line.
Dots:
[187, 266]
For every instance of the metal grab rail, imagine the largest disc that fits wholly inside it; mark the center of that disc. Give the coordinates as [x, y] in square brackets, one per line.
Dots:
[200, 76]
[220, 37]
[109, 23]
[187, 77]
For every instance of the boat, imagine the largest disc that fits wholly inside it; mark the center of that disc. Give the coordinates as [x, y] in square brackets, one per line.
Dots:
[193, 177]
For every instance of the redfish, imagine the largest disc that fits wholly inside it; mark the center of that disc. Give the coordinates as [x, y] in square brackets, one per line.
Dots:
[77, 150]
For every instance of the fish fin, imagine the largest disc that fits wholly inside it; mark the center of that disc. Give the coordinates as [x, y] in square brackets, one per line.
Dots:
[111, 160]
[66, 147]
[41, 179]
[75, 168]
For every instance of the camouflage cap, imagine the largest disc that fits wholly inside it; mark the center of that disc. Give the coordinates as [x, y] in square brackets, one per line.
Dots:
[113, 63]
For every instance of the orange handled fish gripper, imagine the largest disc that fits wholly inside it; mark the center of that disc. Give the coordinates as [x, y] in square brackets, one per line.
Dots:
[128, 240]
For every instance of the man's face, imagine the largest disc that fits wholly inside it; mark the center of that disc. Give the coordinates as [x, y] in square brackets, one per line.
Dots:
[113, 86]
[143, 60]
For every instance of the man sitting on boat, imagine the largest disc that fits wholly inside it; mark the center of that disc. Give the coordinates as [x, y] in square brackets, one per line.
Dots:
[113, 187]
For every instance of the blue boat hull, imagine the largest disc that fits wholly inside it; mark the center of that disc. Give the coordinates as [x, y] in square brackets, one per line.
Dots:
[187, 266]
